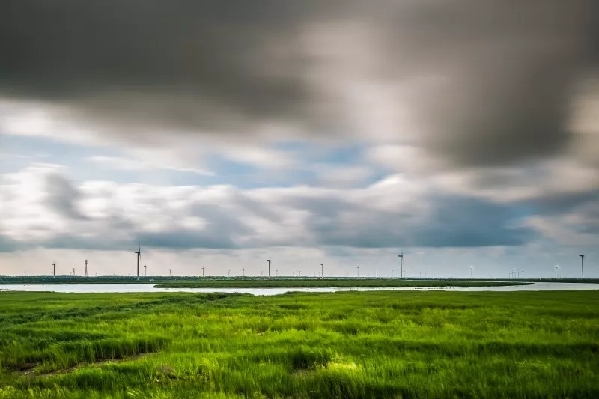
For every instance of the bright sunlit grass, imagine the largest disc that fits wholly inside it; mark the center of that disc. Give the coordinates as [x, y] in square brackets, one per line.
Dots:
[342, 345]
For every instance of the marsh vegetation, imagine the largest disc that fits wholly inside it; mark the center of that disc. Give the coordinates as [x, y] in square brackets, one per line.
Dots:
[298, 345]
[332, 282]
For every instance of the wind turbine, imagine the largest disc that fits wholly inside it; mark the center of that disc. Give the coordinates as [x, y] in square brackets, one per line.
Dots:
[170, 272]
[321, 270]
[54, 269]
[202, 272]
[145, 270]
[401, 267]
[229, 273]
[86, 268]
[556, 269]
[358, 271]
[138, 252]
[268, 260]
[471, 271]
[582, 264]
[277, 272]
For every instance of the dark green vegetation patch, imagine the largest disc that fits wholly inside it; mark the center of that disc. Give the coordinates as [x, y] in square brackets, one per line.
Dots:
[331, 282]
[343, 345]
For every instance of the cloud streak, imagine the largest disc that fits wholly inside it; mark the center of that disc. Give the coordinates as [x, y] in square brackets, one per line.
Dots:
[108, 215]
[474, 82]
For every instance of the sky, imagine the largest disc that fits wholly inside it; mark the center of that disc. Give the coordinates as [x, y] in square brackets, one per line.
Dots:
[463, 133]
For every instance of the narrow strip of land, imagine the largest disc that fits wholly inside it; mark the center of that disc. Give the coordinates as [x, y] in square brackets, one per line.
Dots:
[331, 282]
[284, 281]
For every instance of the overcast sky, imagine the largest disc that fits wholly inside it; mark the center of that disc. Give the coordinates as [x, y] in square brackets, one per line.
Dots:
[220, 134]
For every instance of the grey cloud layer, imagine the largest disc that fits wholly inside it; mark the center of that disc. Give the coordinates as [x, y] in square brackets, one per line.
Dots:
[107, 215]
[475, 81]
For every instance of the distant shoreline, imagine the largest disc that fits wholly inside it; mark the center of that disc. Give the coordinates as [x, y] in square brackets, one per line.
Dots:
[279, 282]
[309, 283]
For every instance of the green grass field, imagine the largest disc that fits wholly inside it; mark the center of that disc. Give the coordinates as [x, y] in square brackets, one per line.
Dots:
[343, 345]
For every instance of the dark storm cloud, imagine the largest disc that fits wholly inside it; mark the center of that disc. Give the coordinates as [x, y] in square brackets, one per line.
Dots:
[501, 74]
[558, 204]
[69, 241]
[178, 55]
[454, 221]
[185, 240]
[9, 245]
[466, 222]
[590, 227]
[62, 196]
[494, 75]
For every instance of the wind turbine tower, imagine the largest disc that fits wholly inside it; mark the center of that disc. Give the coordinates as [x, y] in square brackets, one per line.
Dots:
[86, 268]
[358, 271]
[145, 270]
[54, 269]
[321, 270]
[582, 264]
[401, 265]
[138, 252]
[268, 260]
[203, 270]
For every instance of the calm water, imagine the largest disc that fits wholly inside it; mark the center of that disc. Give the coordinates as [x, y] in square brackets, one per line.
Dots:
[116, 288]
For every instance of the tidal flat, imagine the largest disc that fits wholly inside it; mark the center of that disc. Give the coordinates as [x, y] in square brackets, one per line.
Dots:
[376, 344]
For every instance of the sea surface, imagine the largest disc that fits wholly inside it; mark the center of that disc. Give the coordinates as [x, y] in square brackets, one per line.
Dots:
[124, 288]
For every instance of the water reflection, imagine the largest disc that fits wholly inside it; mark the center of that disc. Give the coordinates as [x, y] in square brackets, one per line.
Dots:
[132, 288]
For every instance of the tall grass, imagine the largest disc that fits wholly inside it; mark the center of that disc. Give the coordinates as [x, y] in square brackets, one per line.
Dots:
[342, 345]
